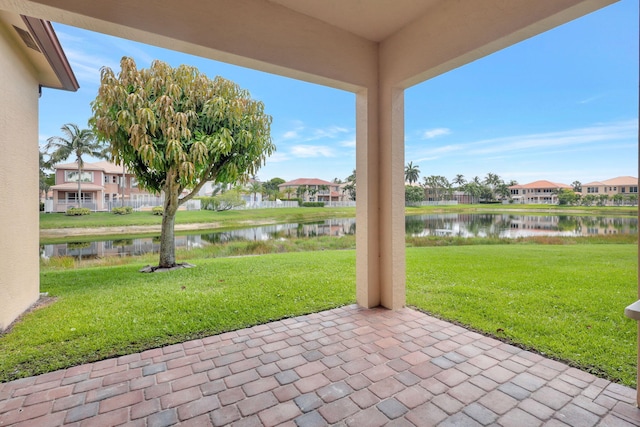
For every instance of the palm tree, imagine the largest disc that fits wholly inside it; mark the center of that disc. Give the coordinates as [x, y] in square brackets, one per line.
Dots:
[301, 191]
[255, 187]
[459, 180]
[75, 142]
[492, 181]
[411, 173]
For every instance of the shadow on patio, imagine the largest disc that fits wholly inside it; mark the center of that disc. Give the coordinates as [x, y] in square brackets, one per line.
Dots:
[347, 366]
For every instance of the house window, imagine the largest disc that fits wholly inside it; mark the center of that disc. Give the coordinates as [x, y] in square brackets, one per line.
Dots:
[114, 179]
[134, 182]
[106, 179]
[73, 197]
[72, 176]
[106, 197]
[633, 189]
[622, 189]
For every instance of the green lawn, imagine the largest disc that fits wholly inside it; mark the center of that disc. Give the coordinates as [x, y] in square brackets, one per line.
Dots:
[566, 301]
[109, 311]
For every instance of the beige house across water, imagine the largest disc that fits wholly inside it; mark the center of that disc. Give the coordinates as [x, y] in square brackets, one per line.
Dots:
[545, 191]
[624, 185]
[537, 192]
[315, 190]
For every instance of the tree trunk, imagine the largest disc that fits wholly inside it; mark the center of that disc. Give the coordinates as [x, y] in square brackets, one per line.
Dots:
[79, 185]
[167, 237]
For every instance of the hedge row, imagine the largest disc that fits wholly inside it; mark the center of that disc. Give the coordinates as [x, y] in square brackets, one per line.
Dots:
[123, 210]
[78, 211]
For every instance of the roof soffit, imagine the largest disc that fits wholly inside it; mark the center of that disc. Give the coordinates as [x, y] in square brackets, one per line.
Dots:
[38, 43]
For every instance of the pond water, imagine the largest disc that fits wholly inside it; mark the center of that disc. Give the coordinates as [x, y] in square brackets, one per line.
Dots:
[459, 225]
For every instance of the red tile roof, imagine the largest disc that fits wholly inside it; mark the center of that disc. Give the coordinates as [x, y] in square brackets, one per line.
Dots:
[104, 166]
[618, 181]
[542, 184]
[305, 181]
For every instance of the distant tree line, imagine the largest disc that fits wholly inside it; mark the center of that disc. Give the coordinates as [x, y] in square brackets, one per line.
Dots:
[491, 189]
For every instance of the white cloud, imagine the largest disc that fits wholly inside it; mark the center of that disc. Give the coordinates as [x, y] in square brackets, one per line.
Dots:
[574, 137]
[329, 132]
[292, 134]
[591, 99]
[278, 157]
[433, 133]
[548, 142]
[312, 151]
[350, 143]
[302, 134]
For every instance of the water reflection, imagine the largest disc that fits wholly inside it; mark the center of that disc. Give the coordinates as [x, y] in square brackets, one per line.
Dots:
[460, 225]
[514, 226]
[122, 247]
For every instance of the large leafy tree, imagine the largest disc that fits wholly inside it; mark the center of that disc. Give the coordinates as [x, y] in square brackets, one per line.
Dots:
[436, 185]
[272, 188]
[45, 183]
[176, 129]
[350, 187]
[77, 143]
[413, 195]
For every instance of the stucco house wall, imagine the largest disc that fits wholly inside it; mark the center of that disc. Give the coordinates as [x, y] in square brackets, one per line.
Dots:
[104, 187]
[19, 281]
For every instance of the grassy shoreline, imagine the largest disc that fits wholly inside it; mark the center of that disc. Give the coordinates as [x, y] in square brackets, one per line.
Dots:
[59, 228]
[236, 218]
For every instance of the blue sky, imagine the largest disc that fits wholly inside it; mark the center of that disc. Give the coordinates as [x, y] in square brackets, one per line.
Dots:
[561, 106]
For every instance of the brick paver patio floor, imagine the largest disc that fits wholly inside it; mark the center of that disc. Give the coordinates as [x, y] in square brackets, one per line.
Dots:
[347, 366]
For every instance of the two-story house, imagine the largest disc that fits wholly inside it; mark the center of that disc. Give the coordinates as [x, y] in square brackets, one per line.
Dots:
[312, 190]
[102, 184]
[624, 185]
[537, 192]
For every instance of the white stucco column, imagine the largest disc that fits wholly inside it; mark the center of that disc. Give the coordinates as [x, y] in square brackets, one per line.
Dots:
[380, 255]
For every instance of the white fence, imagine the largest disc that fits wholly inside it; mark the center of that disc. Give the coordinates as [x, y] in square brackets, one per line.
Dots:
[192, 205]
[348, 204]
[149, 202]
[434, 203]
[265, 204]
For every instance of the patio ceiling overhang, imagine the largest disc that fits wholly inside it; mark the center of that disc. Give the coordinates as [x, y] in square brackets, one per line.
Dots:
[374, 48]
[339, 43]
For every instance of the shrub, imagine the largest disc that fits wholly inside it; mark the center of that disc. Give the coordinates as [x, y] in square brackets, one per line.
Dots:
[157, 210]
[123, 210]
[312, 205]
[78, 211]
[222, 202]
[78, 245]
